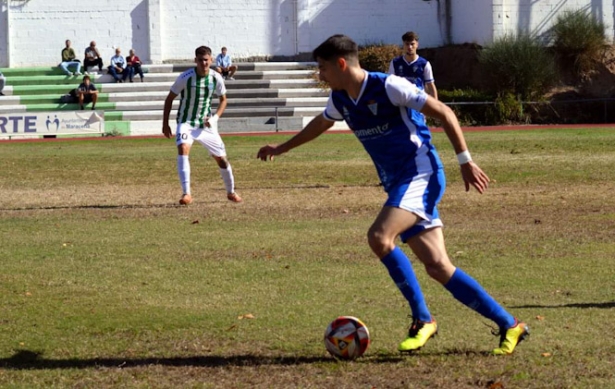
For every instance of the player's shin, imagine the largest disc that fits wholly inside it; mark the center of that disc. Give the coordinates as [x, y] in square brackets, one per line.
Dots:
[400, 270]
[183, 170]
[227, 177]
[469, 292]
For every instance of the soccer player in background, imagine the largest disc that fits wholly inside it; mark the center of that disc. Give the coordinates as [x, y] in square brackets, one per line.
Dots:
[195, 121]
[383, 112]
[414, 67]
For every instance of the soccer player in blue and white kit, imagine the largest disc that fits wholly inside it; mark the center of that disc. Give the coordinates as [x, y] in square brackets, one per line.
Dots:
[414, 67]
[383, 112]
[195, 121]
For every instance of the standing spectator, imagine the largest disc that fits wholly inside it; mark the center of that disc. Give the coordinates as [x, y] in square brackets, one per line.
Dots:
[133, 65]
[92, 58]
[68, 59]
[2, 81]
[195, 121]
[224, 65]
[414, 67]
[118, 66]
[87, 92]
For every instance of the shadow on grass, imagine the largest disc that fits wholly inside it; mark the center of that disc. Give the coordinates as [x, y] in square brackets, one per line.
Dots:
[27, 360]
[605, 305]
[123, 206]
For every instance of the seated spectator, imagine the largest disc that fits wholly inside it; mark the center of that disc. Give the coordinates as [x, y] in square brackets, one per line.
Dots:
[133, 65]
[68, 59]
[118, 66]
[86, 93]
[92, 58]
[2, 81]
[224, 65]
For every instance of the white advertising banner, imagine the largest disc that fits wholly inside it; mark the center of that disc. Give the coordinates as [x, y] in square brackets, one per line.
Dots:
[52, 123]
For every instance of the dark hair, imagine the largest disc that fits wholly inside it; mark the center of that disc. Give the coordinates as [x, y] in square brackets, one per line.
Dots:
[223, 48]
[410, 36]
[86, 77]
[337, 46]
[202, 50]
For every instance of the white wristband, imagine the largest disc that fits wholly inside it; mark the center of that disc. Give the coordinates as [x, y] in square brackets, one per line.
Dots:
[464, 157]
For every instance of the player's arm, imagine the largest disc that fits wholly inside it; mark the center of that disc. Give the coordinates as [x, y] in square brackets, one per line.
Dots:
[403, 93]
[430, 83]
[471, 173]
[168, 104]
[315, 128]
[430, 88]
[391, 68]
[221, 105]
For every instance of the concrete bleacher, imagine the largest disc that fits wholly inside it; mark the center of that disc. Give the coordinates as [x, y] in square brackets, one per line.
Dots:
[265, 96]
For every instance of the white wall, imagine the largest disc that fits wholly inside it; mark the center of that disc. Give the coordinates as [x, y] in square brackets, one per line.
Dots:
[367, 21]
[167, 30]
[472, 21]
[537, 17]
[245, 27]
[39, 28]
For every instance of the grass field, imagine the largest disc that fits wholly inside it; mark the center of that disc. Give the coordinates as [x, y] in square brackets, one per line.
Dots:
[106, 282]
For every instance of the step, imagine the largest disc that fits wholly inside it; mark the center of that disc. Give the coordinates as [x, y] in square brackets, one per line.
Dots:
[258, 66]
[104, 77]
[166, 68]
[228, 113]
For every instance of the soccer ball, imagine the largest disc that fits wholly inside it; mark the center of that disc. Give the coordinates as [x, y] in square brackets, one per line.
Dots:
[346, 337]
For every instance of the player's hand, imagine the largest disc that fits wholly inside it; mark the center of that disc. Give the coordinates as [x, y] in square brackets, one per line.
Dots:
[212, 121]
[268, 152]
[166, 130]
[473, 175]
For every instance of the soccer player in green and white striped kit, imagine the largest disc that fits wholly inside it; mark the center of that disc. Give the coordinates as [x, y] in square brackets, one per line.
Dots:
[196, 122]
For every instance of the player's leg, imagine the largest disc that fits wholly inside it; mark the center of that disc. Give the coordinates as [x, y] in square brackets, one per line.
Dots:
[381, 237]
[183, 140]
[429, 248]
[212, 141]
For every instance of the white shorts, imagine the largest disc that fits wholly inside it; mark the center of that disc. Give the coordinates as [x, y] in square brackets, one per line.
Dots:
[207, 136]
[420, 196]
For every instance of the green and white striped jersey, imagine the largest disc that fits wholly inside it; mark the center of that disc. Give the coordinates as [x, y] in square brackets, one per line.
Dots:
[196, 95]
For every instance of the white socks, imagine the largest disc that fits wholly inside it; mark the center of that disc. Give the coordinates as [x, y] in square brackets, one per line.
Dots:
[227, 177]
[183, 169]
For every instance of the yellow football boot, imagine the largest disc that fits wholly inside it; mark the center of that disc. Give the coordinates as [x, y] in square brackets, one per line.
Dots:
[418, 334]
[511, 337]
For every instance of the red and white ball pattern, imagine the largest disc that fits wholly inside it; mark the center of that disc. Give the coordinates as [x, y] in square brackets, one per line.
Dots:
[347, 337]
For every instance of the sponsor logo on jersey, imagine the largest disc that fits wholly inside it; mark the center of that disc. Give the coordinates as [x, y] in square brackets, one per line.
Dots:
[371, 132]
[373, 106]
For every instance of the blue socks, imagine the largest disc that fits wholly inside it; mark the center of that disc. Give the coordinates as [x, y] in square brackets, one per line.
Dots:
[400, 270]
[465, 289]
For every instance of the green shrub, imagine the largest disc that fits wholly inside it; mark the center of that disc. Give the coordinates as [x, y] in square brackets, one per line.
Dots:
[578, 38]
[518, 65]
[377, 57]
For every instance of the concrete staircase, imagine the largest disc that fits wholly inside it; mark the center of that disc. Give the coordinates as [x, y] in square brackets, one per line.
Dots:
[269, 96]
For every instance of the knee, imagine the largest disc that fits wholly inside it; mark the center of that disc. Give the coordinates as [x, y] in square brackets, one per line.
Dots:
[183, 149]
[222, 162]
[440, 269]
[380, 243]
